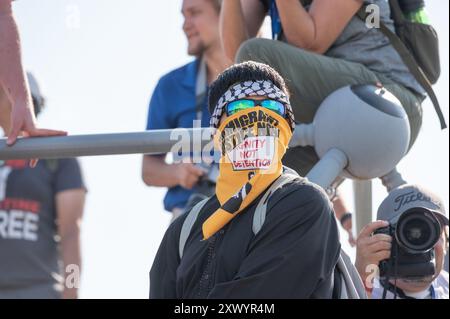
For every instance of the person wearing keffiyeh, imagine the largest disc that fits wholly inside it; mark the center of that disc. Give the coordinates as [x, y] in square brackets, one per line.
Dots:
[295, 252]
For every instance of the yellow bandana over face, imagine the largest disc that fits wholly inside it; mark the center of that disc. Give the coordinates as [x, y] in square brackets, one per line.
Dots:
[252, 143]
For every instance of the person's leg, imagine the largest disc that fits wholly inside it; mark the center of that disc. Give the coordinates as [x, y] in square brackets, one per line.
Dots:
[311, 78]
[410, 102]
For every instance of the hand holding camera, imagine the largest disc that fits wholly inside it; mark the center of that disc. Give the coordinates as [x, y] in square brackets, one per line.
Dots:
[188, 174]
[371, 248]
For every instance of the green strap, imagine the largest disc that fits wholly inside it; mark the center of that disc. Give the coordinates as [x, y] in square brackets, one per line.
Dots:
[410, 62]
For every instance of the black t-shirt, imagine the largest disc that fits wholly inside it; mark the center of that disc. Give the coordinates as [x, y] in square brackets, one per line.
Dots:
[293, 255]
[28, 232]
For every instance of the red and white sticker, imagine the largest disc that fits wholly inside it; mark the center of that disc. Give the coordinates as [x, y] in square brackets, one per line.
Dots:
[256, 152]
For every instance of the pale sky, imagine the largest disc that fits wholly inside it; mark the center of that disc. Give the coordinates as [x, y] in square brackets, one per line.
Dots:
[98, 62]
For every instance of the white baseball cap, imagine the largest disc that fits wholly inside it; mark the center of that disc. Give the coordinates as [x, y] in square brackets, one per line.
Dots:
[410, 196]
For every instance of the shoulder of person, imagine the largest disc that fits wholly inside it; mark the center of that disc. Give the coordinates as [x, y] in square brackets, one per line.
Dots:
[440, 285]
[178, 75]
[442, 279]
[298, 193]
[302, 189]
[65, 165]
[206, 210]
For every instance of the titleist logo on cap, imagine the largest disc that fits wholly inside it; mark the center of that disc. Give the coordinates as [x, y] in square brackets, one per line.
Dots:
[411, 197]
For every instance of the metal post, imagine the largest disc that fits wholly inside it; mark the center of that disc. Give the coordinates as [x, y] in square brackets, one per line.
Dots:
[149, 142]
[330, 166]
[392, 180]
[303, 135]
[363, 203]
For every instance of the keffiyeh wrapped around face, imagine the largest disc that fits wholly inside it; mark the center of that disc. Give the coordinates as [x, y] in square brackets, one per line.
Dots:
[252, 143]
[248, 89]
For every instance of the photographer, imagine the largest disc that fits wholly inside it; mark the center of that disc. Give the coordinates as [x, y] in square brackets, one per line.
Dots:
[407, 245]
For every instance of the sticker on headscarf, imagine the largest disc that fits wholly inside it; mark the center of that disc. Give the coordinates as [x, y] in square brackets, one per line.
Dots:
[249, 141]
[256, 152]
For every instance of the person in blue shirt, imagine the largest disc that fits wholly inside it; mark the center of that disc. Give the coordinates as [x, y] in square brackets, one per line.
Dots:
[180, 98]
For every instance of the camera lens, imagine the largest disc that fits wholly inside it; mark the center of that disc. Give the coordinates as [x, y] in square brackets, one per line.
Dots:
[418, 230]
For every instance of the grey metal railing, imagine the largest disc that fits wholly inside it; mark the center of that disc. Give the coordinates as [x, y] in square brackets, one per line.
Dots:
[148, 142]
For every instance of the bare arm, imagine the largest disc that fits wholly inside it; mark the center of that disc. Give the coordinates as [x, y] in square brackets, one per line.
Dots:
[340, 209]
[13, 79]
[240, 20]
[319, 28]
[12, 75]
[156, 172]
[69, 207]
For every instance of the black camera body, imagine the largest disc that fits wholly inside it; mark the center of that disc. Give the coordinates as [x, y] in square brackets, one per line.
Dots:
[206, 186]
[207, 183]
[414, 236]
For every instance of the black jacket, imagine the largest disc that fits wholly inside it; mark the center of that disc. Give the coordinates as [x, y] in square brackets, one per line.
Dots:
[293, 255]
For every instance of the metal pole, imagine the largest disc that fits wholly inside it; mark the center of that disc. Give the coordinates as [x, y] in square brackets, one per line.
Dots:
[303, 135]
[392, 180]
[330, 166]
[363, 203]
[149, 142]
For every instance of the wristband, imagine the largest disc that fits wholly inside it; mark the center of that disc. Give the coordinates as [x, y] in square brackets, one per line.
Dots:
[346, 217]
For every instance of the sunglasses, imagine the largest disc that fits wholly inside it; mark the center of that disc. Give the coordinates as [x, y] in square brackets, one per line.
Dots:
[244, 104]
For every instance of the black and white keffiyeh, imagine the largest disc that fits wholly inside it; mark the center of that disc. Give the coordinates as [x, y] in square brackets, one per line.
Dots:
[252, 88]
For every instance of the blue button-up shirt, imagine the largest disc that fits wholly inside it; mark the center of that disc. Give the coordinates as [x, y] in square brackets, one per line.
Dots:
[173, 105]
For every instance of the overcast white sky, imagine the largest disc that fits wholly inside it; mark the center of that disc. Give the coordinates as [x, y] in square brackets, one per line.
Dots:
[98, 62]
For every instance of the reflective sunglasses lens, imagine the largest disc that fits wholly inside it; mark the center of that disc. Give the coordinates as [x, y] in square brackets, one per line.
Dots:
[274, 106]
[239, 105]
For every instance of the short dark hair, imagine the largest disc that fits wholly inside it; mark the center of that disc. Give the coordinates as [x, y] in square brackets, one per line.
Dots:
[246, 71]
[38, 105]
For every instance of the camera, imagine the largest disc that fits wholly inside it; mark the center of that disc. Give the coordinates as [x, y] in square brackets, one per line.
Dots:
[414, 236]
[206, 186]
[207, 183]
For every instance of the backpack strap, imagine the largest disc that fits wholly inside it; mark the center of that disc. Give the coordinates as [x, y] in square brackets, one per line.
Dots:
[201, 85]
[189, 223]
[261, 210]
[337, 284]
[351, 285]
[409, 61]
